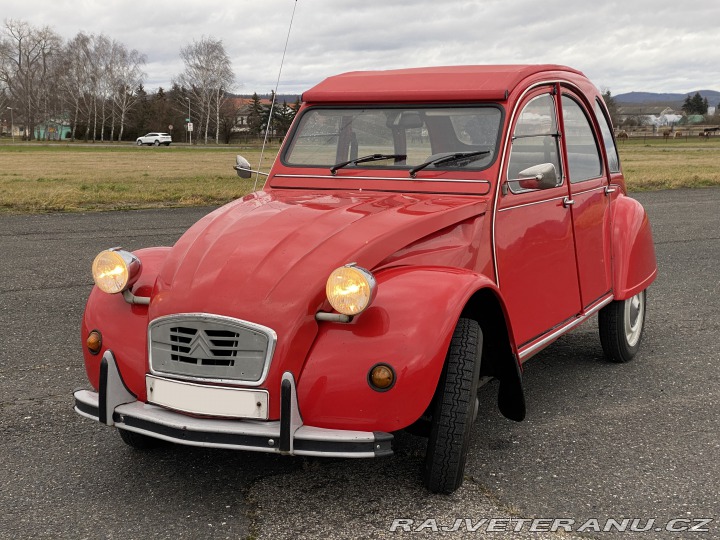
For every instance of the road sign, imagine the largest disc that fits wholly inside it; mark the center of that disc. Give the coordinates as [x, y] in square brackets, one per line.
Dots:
[190, 126]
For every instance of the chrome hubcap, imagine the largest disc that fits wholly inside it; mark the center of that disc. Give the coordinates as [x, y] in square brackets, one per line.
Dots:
[634, 317]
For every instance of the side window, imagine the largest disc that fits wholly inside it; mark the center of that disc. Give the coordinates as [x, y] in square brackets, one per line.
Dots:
[582, 151]
[608, 141]
[535, 142]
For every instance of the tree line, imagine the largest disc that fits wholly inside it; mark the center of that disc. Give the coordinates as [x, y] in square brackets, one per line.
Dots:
[91, 87]
[696, 105]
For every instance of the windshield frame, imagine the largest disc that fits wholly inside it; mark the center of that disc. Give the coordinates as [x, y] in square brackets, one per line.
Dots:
[366, 167]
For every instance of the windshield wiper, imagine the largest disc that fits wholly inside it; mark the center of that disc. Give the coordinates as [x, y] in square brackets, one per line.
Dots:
[457, 156]
[365, 159]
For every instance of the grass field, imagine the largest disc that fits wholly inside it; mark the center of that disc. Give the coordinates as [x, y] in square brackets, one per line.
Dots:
[38, 177]
[656, 164]
[43, 178]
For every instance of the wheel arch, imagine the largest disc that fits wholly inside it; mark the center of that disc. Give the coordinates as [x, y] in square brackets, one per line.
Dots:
[498, 359]
[634, 262]
[410, 323]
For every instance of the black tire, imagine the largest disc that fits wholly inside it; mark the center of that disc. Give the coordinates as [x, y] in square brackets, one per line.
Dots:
[139, 441]
[454, 410]
[156, 143]
[621, 325]
[139, 142]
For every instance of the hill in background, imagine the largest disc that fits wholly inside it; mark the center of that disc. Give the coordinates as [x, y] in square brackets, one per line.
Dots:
[675, 101]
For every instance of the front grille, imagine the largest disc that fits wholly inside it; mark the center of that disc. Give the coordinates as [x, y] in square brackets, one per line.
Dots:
[210, 347]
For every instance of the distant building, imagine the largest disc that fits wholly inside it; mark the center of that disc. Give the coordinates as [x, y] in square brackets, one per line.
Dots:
[694, 119]
[243, 108]
[52, 131]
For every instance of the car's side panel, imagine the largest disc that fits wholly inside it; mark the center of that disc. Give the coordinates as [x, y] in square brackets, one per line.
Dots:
[536, 262]
[634, 263]
[592, 242]
[123, 326]
[408, 327]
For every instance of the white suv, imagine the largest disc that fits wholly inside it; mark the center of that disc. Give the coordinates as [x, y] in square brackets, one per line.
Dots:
[155, 139]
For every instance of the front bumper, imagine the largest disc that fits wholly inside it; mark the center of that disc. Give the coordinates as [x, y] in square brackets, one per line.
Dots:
[114, 405]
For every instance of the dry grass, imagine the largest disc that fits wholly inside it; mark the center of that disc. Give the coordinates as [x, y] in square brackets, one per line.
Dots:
[64, 177]
[37, 178]
[657, 164]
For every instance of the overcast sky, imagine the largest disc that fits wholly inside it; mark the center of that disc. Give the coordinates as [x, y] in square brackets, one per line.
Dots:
[642, 45]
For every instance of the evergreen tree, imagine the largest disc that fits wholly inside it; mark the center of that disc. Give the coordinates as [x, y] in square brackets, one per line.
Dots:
[612, 107]
[256, 115]
[695, 104]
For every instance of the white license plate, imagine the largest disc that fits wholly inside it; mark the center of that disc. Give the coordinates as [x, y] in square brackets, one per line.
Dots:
[207, 400]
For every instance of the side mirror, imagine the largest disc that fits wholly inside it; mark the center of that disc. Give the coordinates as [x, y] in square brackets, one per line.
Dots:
[242, 167]
[544, 176]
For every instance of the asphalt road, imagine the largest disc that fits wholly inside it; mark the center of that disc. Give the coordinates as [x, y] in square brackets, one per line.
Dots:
[637, 441]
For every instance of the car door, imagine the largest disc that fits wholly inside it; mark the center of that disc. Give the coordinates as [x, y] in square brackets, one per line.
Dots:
[588, 183]
[533, 233]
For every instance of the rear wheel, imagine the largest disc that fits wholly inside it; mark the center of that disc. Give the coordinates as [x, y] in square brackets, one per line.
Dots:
[621, 326]
[156, 143]
[139, 441]
[454, 410]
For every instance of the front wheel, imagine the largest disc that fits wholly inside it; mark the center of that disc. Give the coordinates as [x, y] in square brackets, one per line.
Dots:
[156, 143]
[621, 326]
[454, 410]
[139, 142]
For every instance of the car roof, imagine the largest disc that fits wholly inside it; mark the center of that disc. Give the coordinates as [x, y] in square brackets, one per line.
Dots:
[448, 83]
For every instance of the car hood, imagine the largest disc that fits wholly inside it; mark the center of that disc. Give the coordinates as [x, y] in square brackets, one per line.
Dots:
[265, 258]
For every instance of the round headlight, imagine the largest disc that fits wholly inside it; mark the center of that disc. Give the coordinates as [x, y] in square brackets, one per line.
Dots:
[114, 270]
[350, 289]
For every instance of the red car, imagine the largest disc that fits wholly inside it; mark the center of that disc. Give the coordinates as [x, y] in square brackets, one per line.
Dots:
[422, 231]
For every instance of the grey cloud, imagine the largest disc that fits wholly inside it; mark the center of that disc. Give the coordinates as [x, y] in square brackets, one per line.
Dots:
[624, 46]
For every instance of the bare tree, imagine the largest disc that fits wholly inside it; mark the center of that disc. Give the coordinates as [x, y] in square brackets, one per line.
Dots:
[127, 76]
[26, 55]
[207, 77]
[99, 78]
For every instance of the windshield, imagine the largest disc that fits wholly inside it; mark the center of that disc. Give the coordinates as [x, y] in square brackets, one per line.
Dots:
[413, 139]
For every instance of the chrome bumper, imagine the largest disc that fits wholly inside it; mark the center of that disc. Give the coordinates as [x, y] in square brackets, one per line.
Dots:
[114, 405]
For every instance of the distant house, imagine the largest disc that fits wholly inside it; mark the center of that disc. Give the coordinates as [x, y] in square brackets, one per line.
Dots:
[18, 130]
[53, 131]
[243, 108]
[652, 115]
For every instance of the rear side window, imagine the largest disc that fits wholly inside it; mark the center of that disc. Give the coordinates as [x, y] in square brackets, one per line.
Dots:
[608, 141]
[583, 154]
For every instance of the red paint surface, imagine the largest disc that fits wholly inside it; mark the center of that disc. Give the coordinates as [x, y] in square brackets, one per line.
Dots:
[431, 245]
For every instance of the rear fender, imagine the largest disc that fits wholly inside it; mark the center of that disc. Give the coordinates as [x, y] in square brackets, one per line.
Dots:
[408, 327]
[123, 326]
[634, 263]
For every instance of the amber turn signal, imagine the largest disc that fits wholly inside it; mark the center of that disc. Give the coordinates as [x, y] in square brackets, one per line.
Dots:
[94, 342]
[381, 377]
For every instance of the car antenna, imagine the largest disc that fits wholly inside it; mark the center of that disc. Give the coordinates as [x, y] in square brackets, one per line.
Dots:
[272, 103]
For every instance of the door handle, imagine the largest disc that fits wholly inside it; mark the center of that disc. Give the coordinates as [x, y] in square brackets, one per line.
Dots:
[567, 201]
[609, 190]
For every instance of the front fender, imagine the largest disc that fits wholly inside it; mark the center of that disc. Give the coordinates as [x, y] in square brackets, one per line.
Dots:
[409, 327]
[123, 326]
[634, 263]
